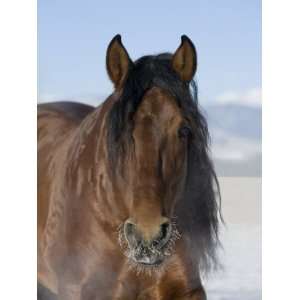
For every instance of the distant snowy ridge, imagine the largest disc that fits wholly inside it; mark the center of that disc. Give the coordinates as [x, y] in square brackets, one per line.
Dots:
[236, 138]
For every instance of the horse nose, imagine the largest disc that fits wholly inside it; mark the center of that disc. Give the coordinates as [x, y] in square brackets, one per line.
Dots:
[154, 236]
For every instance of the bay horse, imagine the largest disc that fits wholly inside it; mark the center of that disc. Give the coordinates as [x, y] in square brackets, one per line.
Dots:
[128, 201]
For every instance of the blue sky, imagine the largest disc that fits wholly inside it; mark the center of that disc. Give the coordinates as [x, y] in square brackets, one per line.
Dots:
[73, 36]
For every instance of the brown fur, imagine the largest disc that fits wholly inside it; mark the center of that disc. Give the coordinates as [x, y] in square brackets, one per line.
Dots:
[79, 210]
[82, 203]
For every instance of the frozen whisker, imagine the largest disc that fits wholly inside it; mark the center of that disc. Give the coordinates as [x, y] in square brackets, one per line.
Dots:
[140, 257]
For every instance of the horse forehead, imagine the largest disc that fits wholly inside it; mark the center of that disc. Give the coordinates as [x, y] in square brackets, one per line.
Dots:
[158, 104]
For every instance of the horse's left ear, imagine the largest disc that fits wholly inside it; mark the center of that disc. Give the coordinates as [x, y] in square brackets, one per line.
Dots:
[117, 61]
[184, 61]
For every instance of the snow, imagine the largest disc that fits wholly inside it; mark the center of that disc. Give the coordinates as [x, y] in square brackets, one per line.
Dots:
[240, 277]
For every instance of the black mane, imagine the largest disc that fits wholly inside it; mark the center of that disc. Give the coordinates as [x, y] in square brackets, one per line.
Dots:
[147, 72]
[198, 214]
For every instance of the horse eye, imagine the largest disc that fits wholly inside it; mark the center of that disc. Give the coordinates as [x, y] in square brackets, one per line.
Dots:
[184, 132]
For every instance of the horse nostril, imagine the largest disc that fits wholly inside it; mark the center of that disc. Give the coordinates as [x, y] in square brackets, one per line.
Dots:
[164, 228]
[163, 236]
[131, 234]
[128, 228]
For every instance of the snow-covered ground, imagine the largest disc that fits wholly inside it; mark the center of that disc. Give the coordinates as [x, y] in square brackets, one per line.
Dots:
[240, 278]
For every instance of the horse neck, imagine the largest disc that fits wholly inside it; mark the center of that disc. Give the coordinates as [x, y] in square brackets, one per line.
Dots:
[89, 170]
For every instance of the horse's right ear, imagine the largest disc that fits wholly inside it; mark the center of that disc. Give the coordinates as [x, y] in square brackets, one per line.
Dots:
[117, 61]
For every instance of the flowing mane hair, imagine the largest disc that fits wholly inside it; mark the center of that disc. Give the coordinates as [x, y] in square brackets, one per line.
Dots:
[198, 212]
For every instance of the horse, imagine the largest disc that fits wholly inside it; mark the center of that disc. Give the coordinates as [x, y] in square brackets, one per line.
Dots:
[128, 199]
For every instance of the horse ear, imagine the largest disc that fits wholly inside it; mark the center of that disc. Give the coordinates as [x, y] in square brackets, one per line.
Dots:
[117, 61]
[184, 61]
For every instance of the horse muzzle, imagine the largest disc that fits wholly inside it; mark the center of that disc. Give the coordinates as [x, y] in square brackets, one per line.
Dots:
[147, 257]
[151, 251]
[138, 238]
